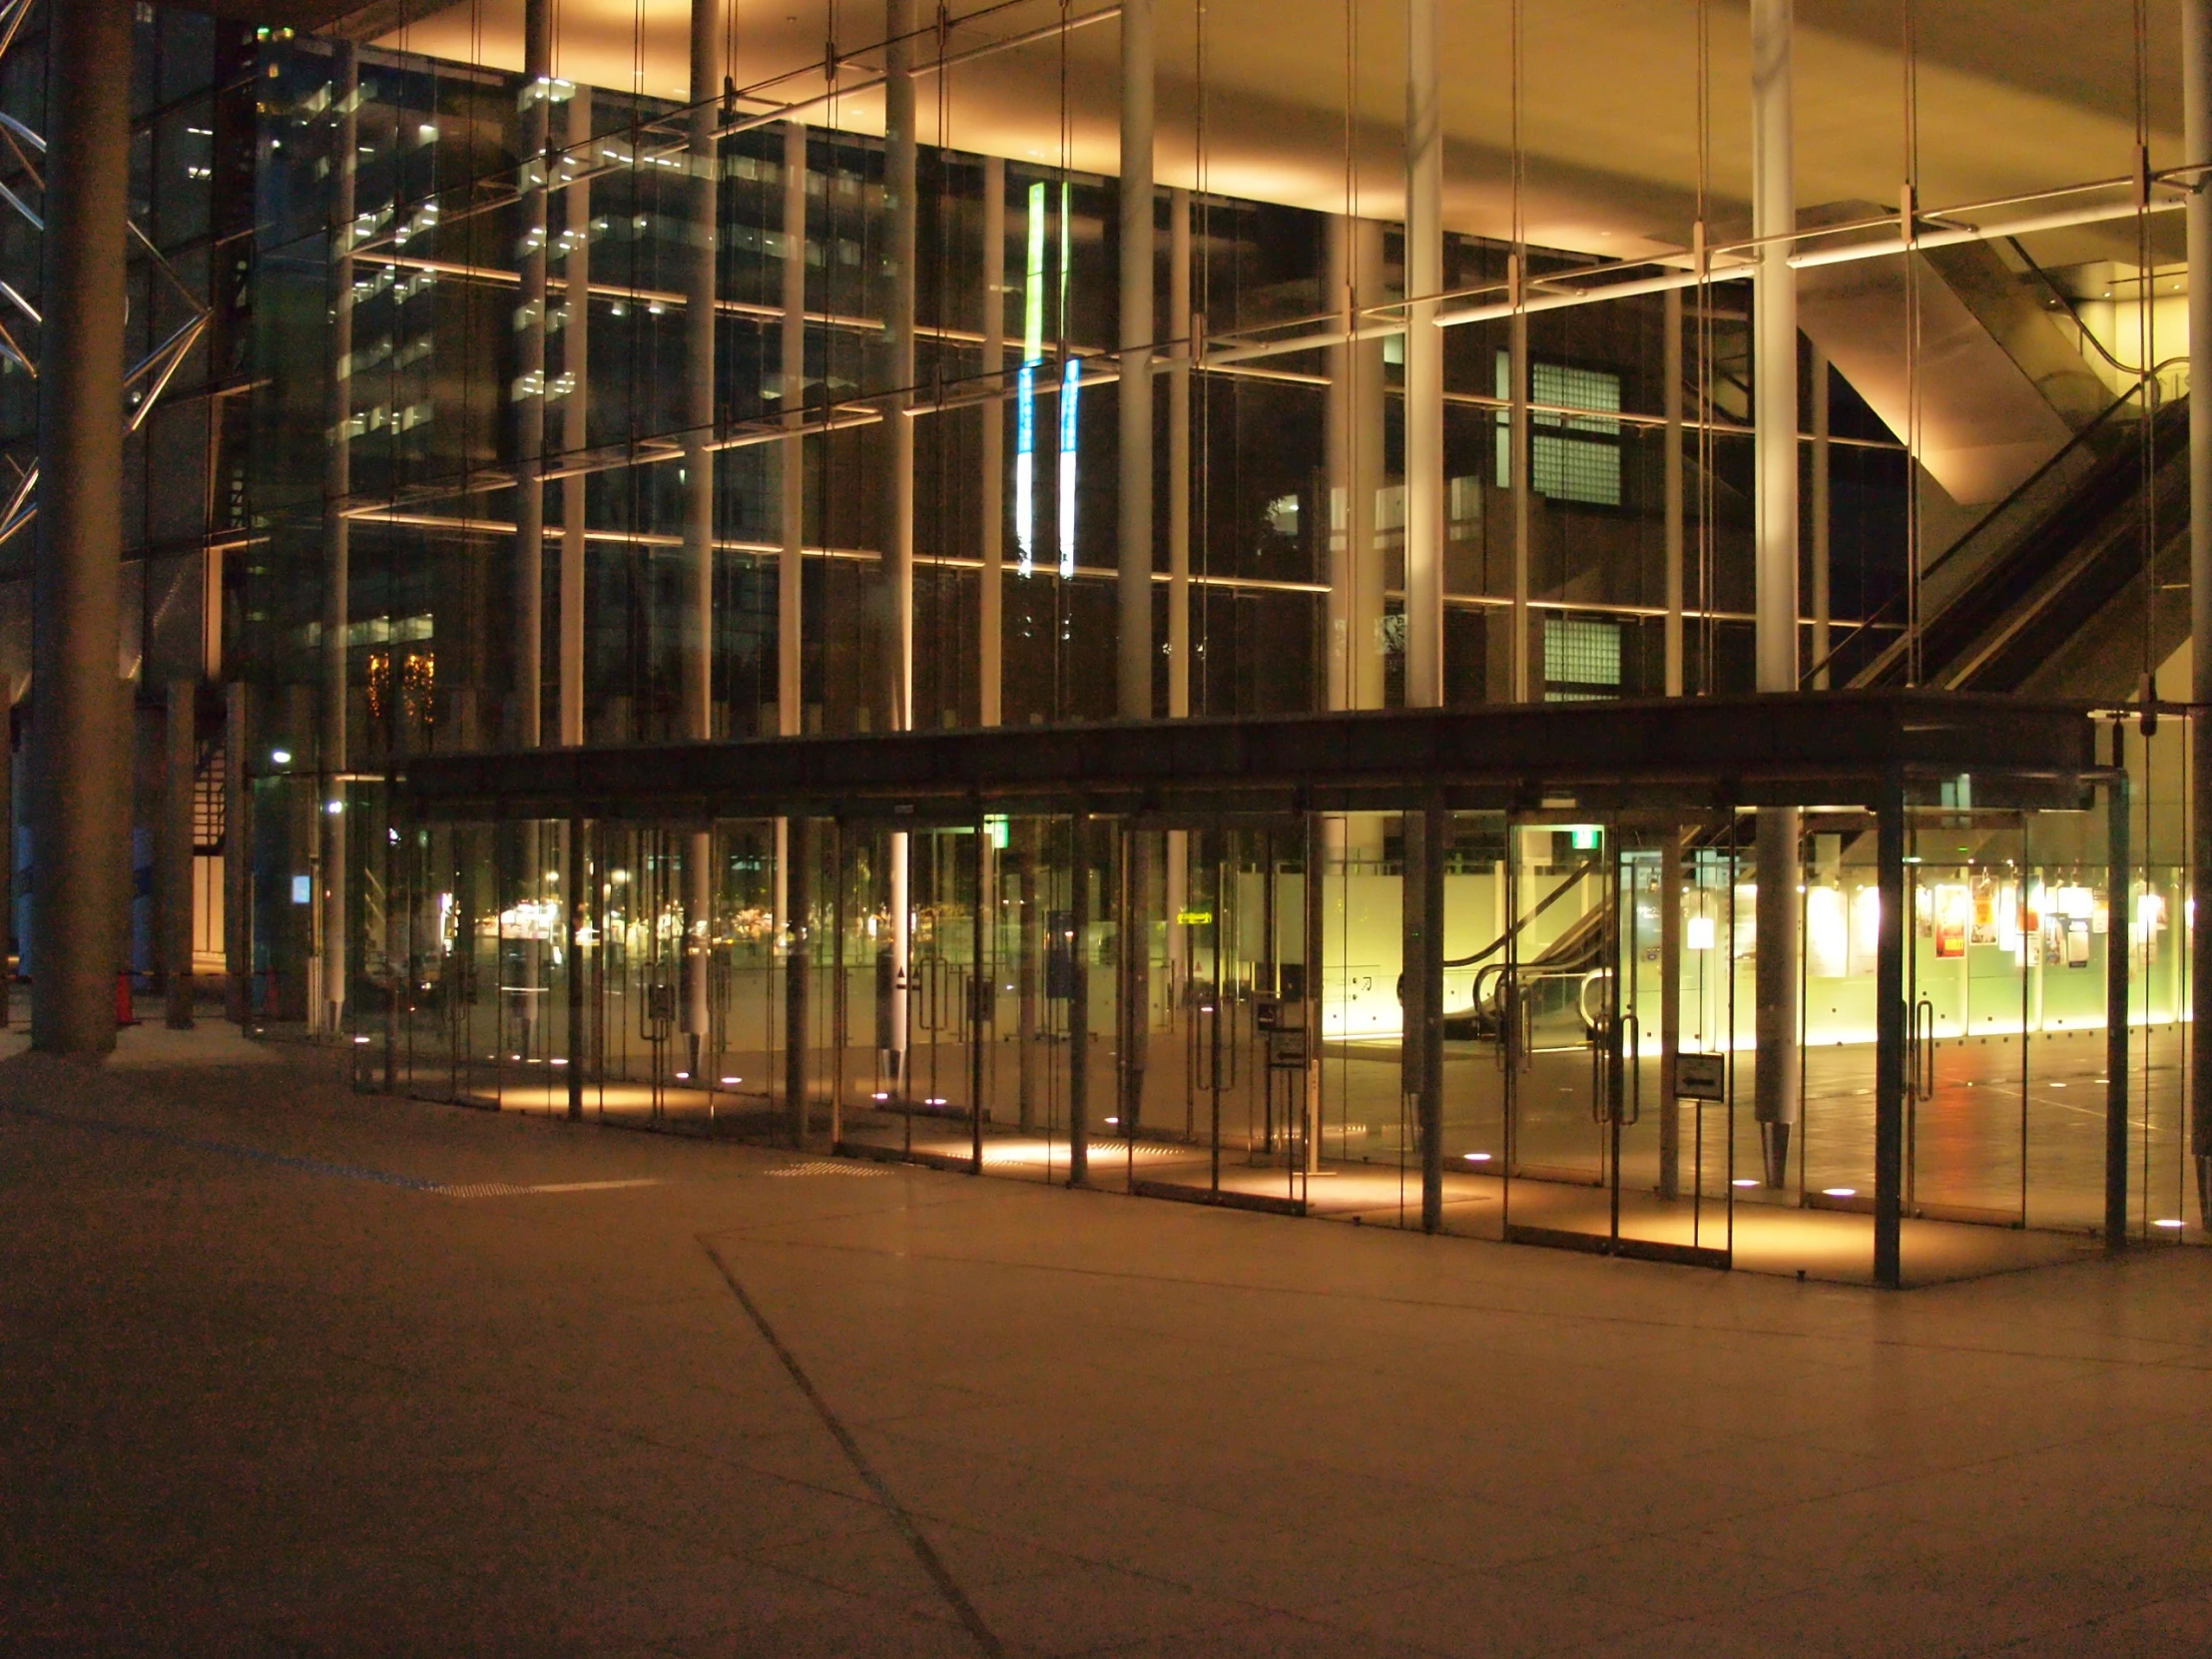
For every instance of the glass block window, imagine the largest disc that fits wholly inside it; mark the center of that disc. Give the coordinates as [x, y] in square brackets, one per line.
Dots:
[1573, 457]
[1582, 658]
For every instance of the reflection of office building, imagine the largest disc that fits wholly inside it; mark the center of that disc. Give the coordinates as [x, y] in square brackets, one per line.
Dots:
[637, 540]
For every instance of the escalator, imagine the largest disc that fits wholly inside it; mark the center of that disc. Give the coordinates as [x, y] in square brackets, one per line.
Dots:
[2047, 593]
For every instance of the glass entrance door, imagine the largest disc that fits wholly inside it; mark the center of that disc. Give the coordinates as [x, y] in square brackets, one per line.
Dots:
[1597, 1159]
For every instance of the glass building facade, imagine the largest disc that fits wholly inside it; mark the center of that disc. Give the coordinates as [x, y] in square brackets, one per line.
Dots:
[438, 463]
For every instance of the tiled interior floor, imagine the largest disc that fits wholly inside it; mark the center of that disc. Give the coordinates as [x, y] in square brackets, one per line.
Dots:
[292, 1369]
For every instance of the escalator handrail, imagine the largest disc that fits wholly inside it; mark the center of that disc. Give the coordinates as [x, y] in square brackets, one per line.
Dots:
[1549, 899]
[2080, 439]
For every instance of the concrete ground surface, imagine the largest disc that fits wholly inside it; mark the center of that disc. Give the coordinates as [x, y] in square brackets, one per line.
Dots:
[290, 1369]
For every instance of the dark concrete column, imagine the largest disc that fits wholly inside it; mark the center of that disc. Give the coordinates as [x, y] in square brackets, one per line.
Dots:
[237, 862]
[1427, 839]
[173, 853]
[1889, 1015]
[980, 997]
[1133, 980]
[797, 972]
[7, 861]
[1316, 857]
[338, 597]
[580, 884]
[79, 811]
[2116, 963]
[1670, 1010]
[1025, 976]
[1079, 1003]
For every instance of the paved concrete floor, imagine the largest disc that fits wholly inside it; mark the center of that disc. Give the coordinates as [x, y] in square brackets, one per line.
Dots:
[293, 1371]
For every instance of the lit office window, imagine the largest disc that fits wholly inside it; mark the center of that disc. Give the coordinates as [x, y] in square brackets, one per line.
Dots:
[1573, 457]
[1582, 660]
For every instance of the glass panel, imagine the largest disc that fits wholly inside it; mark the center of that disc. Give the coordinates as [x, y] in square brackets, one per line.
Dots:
[1476, 921]
[1558, 1007]
[1967, 985]
[1670, 1157]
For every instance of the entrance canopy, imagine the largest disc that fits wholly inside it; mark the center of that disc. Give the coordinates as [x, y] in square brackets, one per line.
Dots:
[1835, 748]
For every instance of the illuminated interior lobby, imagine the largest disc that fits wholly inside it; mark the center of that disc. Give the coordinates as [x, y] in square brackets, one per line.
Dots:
[1624, 682]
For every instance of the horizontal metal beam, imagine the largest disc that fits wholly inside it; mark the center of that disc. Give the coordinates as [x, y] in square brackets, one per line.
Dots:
[1831, 749]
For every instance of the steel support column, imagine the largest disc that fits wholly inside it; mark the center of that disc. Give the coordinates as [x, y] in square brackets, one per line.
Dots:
[338, 579]
[1184, 323]
[1527, 674]
[1889, 1015]
[1184, 328]
[991, 587]
[1670, 1015]
[579, 917]
[699, 496]
[902, 209]
[791, 454]
[1819, 514]
[1134, 394]
[1425, 360]
[1079, 1000]
[791, 483]
[2119, 886]
[174, 847]
[1427, 837]
[798, 972]
[575, 415]
[525, 721]
[79, 813]
[1671, 464]
[2196, 104]
[1775, 412]
[238, 862]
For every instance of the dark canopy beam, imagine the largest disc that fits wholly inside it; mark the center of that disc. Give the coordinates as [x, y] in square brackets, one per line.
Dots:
[1833, 749]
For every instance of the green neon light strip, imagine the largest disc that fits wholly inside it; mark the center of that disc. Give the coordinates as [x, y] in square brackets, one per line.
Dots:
[1032, 310]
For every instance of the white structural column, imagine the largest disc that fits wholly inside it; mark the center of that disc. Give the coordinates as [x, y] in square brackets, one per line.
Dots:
[1520, 458]
[1138, 246]
[1669, 848]
[1182, 326]
[327, 1009]
[991, 590]
[1775, 410]
[1424, 361]
[791, 487]
[791, 454]
[1354, 460]
[1337, 452]
[1363, 478]
[575, 411]
[898, 464]
[1179, 454]
[528, 392]
[1820, 515]
[1672, 464]
[698, 497]
[2196, 109]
